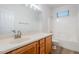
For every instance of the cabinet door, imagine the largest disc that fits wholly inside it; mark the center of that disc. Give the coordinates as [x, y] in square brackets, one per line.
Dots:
[38, 47]
[42, 50]
[28, 49]
[42, 46]
[48, 44]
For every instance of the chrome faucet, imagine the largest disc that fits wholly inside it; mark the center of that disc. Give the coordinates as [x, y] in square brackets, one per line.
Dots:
[17, 34]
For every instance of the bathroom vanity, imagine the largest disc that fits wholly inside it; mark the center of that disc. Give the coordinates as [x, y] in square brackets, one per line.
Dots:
[42, 46]
[40, 43]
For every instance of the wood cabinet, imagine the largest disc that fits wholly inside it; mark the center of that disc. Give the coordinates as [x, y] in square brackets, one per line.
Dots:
[48, 44]
[42, 46]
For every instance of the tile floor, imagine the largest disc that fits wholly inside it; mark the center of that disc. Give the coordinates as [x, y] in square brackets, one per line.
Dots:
[61, 50]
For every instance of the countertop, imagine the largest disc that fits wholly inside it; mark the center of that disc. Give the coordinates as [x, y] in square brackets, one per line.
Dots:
[10, 44]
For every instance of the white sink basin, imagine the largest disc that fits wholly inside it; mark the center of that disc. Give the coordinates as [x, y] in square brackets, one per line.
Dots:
[20, 40]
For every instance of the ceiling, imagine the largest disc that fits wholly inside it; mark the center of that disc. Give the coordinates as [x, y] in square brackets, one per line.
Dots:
[56, 5]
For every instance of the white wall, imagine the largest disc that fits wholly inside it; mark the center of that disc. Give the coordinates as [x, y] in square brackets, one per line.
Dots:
[12, 15]
[65, 28]
[78, 22]
[45, 18]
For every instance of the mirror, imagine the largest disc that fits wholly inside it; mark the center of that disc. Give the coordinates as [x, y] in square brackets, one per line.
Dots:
[18, 17]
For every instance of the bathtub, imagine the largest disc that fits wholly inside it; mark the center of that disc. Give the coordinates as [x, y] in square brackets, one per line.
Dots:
[74, 46]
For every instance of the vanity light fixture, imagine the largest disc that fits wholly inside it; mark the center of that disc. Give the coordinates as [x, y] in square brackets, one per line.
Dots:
[33, 6]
